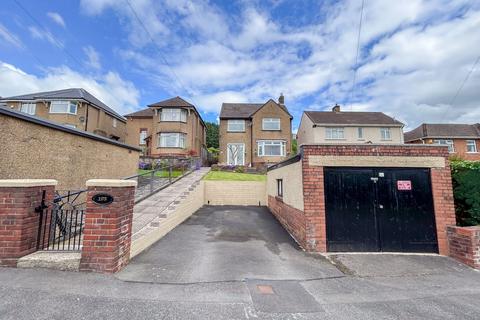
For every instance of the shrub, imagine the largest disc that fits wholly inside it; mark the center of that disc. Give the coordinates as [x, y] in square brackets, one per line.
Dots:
[466, 191]
[239, 169]
[215, 167]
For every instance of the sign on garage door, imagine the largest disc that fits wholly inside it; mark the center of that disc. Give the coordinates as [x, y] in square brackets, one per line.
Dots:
[379, 209]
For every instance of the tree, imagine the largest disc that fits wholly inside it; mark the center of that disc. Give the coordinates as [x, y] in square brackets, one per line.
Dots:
[212, 134]
[294, 147]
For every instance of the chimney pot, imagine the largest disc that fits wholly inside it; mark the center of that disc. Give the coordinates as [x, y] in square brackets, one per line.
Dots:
[336, 108]
[281, 99]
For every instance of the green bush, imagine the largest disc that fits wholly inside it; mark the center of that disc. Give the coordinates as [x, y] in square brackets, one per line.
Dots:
[239, 169]
[466, 191]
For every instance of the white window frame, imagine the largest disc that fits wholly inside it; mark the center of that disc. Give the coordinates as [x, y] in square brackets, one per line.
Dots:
[385, 134]
[360, 135]
[68, 104]
[446, 142]
[179, 137]
[28, 107]
[261, 144]
[234, 122]
[271, 121]
[229, 154]
[143, 135]
[173, 115]
[471, 143]
[335, 133]
[114, 122]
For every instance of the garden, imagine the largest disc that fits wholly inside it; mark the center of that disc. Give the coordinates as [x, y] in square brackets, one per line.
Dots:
[466, 191]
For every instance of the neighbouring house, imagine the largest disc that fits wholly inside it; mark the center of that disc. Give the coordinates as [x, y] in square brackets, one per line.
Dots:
[353, 127]
[255, 134]
[463, 140]
[74, 108]
[168, 129]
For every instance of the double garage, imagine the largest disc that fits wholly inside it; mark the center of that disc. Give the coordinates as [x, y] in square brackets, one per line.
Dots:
[365, 198]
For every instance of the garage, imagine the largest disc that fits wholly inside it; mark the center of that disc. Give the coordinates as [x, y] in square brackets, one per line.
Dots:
[379, 209]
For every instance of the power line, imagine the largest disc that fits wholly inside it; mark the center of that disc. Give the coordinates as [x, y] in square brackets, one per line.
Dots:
[454, 98]
[352, 91]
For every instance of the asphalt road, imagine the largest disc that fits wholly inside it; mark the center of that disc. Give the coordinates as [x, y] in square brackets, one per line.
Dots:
[238, 263]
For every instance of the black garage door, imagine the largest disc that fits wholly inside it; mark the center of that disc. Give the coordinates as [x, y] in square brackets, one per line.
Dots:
[386, 209]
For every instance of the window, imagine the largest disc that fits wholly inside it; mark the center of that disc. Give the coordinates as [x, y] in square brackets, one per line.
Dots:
[114, 123]
[334, 133]
[143, 135]
[28, 108]
[173, 114]
[171, 140]
[444, 142]
[236, 125]
[63, 107]
[360, 133]
[271, 148]
[385, 134]
[471, 146]
[280, 187]
[270, 124]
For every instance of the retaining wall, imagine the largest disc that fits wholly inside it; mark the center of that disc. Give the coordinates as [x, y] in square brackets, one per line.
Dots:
[244, 193]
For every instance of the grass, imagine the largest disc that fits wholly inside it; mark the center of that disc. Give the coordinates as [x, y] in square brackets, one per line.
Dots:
[233, 176]
[162, 173]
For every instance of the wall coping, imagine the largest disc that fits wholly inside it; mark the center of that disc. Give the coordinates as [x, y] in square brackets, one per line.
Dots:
[114, 183]
[22, 183]
[406, 145]
[473, 228]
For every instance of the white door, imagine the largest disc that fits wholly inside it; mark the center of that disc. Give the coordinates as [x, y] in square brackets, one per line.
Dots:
[236, 154]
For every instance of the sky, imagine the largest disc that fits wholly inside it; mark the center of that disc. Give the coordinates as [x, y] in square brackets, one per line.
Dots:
[414, 60]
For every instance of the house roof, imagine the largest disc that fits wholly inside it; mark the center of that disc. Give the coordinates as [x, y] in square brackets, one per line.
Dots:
[145, 113]
[244, 110]
[173, 102]
[72, 93]
[352, 118]
[443, 130]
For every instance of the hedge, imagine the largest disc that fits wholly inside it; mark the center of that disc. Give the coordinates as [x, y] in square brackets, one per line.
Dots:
[466, 191]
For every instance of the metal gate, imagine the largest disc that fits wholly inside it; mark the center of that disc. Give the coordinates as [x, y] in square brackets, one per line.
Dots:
[61, 222]
[379, 209]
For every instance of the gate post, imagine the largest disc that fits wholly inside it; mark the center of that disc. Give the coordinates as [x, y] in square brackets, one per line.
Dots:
[19, 219]
[108, 225]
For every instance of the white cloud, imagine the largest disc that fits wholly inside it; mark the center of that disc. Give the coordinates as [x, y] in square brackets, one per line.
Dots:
[45, 35]
[93, 58]
[57, 18]
[119, 94]
[9, 37]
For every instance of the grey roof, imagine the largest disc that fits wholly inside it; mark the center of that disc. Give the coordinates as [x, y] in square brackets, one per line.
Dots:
[145, 113]
[173, 102]
[351, 118]
[443, 130]
[244, 110]
[72, 93]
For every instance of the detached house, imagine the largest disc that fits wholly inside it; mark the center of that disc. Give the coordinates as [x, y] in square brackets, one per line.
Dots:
[169, 128]
[75, 108]
[255, 133]
[463, 140]
[340, 127]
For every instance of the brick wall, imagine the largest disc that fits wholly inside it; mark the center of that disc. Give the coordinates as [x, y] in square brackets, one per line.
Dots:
[293, 220]
[464, 243]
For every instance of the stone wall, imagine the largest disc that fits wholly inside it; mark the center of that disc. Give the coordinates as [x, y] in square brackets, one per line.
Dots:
[245, 193]
[464, 244]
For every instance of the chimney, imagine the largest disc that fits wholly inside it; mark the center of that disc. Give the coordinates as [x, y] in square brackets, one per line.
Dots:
[336, 108]
[281, 99]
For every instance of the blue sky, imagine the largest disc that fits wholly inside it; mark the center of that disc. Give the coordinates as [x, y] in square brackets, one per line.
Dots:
[414, 55]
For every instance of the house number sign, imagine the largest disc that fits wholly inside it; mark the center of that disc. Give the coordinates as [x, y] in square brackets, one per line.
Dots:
[102, 198]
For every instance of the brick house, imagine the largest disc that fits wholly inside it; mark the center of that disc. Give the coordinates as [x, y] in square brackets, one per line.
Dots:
[74, 108]
[338, 126]
[463, 140]
[255, 133]
[169, 128]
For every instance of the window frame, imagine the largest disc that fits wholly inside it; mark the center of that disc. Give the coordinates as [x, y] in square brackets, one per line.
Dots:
[471, 142]
[183, 114]
[384, 137]
[69, 106]
[446, 142]
[261, 147]
[30, 105]
[280, 188]
[269, 120]
[180, 137]
[142, 141]
[231, 121]
[360, 135]
[114, 122]
[330, 130]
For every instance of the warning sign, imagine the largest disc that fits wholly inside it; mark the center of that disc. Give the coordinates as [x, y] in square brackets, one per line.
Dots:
[404, 185]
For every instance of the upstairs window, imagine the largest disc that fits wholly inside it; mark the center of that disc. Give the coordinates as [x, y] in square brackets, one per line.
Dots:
[334, 133]
[445, 142]
[471, 146]
[236, 125]
[271, 148]
[69, 107]
[360, 133]
[171, 140]
[114, 123]
[173, 114]
[143, 135]
[270, 124]
[385, 134]
[28, 108]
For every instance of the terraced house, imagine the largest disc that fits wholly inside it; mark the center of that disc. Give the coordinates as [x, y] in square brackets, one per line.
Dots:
[169, 128]
[255, 134]
[74, 108]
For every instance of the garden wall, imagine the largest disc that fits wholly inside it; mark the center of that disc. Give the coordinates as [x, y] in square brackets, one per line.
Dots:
[246, 193]
[464, 243]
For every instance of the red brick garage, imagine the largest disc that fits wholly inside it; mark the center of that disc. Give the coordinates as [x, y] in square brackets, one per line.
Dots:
[296, 187]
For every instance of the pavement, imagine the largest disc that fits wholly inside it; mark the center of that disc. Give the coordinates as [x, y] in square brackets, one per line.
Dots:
[238, 263]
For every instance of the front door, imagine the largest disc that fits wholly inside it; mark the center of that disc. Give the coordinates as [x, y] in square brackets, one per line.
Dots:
[236, 154]
[379, 209]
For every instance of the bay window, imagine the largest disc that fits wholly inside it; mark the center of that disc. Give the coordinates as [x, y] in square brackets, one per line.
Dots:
[69, 107]
[171, 140]
[173, 114]
[236, 125]
[271, 148]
